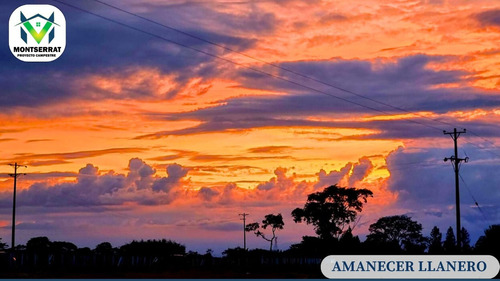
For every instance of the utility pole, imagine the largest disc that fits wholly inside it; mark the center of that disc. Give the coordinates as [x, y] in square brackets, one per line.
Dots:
[244, 215]
[14, 175]
[455, 161]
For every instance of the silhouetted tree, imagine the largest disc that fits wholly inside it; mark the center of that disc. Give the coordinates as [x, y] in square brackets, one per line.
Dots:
[313, 246]
[84, 251]
[450, 243]
[209, 252]
[466, 248]
[400, 230]
[104, 248]
[273, 221]
[348, 243]
[62, 246]
[489, 243]
[233, 253]
[436, 243]
[38, 244]
[39, 247]
[332, 209]
[2, 245]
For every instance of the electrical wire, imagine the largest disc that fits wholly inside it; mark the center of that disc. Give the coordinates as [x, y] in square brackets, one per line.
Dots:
[289, 70]
[473, 198]
[491, 143]
[482, 148]
[267, 62]
[270, 74]
[241, 64]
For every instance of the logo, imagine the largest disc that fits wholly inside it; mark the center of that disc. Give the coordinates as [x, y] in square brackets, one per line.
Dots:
[37, 33]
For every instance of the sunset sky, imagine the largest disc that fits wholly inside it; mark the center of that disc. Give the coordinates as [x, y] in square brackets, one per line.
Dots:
[139, 131]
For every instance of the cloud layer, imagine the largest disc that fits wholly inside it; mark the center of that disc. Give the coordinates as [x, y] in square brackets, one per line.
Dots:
[91, 188]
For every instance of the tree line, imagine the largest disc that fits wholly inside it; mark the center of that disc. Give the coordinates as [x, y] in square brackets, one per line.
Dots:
[43, 246]
[333, 213]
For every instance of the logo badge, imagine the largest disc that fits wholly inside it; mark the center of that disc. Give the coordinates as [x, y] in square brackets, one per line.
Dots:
[37, 33]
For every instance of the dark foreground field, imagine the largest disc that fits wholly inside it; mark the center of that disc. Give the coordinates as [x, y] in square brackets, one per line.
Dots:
[259, 265]
[188, 274]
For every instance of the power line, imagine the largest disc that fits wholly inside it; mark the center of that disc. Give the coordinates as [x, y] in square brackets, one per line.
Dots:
[491, 143]
[270, 63]
[482, 148]
[473, 198]
[485, 139]
[280, 67]
[470, 193]
[264, 72]
[242, 65]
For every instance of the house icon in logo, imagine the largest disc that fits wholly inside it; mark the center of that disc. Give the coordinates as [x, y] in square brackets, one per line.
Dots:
[37, 35]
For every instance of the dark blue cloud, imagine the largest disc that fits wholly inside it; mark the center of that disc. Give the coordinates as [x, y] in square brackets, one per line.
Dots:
[221, 226]
[407, 84]
[218, 119]
[192, 15]
[97, 46]
[489, 18]
[426, 187]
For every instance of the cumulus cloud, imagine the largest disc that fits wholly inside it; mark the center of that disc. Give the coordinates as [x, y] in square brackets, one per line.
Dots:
[92, 188]
[143, 186]
[276, 190]
[280, 182]
[349, 175]
[360, 170]
[174, 180]
[207, 193]
[230, 194]
[284, 186]
[333, 177]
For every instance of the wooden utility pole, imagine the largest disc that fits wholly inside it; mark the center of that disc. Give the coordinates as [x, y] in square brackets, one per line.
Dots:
[244, 215]
[455, 161]
[14, 175]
